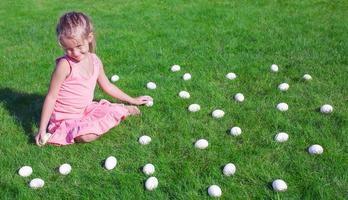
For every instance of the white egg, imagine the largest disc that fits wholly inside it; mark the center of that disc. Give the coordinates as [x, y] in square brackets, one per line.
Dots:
[235, 131]
[307, 77]
[110, 163]
[184, 95]
[283, 87]
[231, 76]
[151, 85]
[281, 137]
[279, 185]
[149, 169]
[151, 183]
[144, 140]
[218, 113]
[282, 107]
[115, 78]
[186, 76]
[229, 169]
[326, 109]
[25, 171]
[65, 169]
[45, 138]
[274, 68]
[149, 103]
[214, 191]
[201, 144]
[315, 149]
[36, 183]
[194, 107]
[175, 68]
[239, 97]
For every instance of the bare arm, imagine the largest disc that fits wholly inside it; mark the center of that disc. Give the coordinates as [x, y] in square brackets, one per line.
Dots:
[117, 93]
[60, 73]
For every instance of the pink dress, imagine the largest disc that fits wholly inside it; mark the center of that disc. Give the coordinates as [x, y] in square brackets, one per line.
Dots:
[76, 114]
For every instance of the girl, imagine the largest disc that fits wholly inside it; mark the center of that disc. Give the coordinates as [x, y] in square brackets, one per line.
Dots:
[68, 111]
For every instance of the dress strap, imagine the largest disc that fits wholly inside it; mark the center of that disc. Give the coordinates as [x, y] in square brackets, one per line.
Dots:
[96, 64]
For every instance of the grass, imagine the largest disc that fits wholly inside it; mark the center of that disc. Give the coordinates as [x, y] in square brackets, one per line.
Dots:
[139, 41]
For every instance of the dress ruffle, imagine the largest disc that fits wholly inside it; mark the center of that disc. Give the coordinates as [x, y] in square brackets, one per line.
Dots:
[98, 118]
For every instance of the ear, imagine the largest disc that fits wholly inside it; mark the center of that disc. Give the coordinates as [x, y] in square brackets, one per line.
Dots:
[90, 37]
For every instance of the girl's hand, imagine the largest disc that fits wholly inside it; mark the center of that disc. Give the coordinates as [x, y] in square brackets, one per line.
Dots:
[141, 100]
[39, 136]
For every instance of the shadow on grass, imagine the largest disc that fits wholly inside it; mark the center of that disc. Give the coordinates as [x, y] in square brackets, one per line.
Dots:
[25, 108]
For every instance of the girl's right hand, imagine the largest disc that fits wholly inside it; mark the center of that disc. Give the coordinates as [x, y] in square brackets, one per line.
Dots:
[39, 136]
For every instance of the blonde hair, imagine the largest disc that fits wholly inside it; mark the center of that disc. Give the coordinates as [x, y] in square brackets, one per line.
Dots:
[75, 24]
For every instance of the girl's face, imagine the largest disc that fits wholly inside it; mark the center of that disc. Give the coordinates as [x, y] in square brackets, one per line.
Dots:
[76, 48]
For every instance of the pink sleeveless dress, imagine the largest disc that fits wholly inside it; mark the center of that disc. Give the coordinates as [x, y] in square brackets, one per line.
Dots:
[76, 114]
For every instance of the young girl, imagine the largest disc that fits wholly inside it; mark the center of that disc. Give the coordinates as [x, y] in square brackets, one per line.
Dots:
[68, 111]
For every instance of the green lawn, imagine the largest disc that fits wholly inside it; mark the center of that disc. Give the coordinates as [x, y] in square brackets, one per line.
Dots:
[140, 41]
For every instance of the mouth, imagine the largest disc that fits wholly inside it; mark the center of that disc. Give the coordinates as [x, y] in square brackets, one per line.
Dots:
[78, 58]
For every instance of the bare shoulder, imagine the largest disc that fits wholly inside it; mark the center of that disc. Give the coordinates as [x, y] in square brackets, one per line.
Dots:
[62, 68]
[60, 73]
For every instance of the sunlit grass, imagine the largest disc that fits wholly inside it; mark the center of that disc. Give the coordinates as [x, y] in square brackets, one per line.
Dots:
[139, 41]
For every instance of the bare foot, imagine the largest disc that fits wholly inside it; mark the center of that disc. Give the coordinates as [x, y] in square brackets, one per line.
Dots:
[133, 110]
